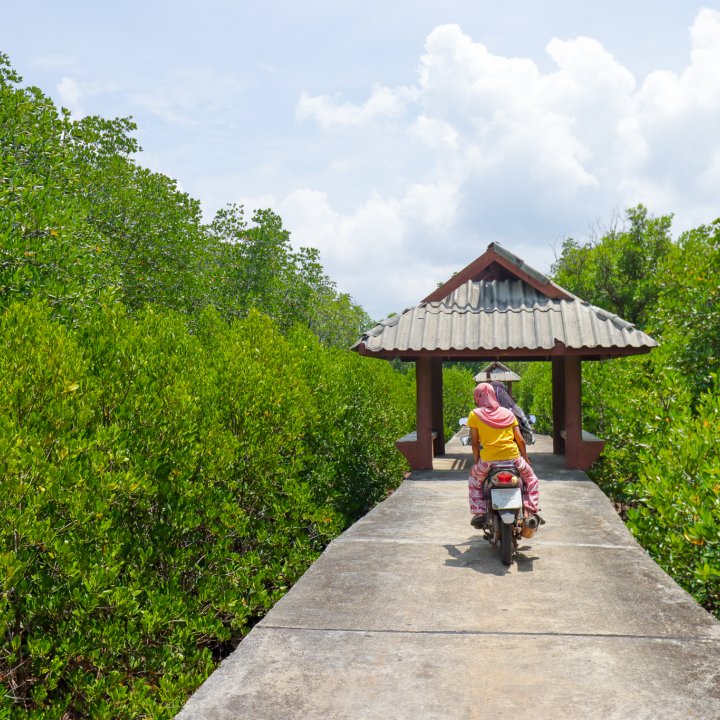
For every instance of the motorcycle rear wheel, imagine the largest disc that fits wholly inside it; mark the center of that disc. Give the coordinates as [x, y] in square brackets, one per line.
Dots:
[506, 544]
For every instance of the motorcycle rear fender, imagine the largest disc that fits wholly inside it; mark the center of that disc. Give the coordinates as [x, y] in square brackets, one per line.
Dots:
[500, 466]
[507, 516]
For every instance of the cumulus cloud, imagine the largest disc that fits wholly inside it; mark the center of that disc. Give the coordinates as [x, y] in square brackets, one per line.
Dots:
[383, 103]
[434, 133]
[367, 251]
[511, 153]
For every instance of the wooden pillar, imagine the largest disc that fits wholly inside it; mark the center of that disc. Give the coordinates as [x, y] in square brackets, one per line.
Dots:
[558, 404]
[573, 412]
[436, 381]
[423, 413]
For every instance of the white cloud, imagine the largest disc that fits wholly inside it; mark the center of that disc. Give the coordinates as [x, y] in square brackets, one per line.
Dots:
[504, 151]
[710, 178]
[383, 103]
[585, 68]
[434, 133]
[356, 249]
[461, 80]
[343, 239]
[433, 206]
[371, 250]
[666, 95]
[705, 34]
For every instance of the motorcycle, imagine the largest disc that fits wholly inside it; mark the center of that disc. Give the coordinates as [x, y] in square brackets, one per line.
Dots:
[506, 520]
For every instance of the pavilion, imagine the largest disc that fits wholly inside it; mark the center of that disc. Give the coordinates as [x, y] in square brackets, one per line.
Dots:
[499, 308]
[497, 372]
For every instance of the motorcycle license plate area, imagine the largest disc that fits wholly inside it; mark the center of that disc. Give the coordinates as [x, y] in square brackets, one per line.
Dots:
[506, 498]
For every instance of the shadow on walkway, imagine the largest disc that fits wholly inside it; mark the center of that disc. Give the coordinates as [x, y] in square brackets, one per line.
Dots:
[411, 615]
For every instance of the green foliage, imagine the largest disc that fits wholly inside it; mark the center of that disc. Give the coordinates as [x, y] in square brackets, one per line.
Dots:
[163, 489]
[534, 394]
[676, 512]
[172, 459]
[182, 429]
[619, 272]
[79, 218]
[458, 386]
[358, 416]
[252, 260]
[46, 247]
[152, 235]
[687, 315]
[254, 266]
[657, 413]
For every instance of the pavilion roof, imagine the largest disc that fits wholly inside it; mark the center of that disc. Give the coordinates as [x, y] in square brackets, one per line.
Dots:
[500, 307]
[496, 372]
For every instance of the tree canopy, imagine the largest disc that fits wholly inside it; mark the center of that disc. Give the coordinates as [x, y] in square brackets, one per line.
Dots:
[80, 217]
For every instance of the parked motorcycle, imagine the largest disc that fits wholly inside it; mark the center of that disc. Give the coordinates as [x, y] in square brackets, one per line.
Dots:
[506, 520]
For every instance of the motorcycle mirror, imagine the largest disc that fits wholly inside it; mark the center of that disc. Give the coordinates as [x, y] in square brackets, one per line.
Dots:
[462, 422]
[533, 419]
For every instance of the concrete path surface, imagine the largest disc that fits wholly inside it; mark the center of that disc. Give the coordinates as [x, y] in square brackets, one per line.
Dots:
[411, 615]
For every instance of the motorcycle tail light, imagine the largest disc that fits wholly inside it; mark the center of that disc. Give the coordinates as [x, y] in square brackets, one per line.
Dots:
[505, 478]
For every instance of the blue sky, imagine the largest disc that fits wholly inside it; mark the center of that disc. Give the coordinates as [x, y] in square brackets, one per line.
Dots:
[400, 138]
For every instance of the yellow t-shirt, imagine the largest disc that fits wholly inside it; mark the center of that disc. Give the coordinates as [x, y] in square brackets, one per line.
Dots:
[497, 443]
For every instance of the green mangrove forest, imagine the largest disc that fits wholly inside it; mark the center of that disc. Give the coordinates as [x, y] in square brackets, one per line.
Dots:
[183, 428]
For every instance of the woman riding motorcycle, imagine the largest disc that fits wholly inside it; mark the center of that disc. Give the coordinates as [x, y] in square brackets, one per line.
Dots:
[496, 429]
[503, 397]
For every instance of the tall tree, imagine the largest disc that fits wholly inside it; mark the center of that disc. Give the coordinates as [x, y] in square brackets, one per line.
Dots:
[78, 215]
[46, 247]
[619, 272]
[256, 267]
[688, 310]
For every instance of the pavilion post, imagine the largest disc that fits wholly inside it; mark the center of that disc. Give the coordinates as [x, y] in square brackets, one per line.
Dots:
[423, 413]
[558, 404]
[573, 412]
[436, 402]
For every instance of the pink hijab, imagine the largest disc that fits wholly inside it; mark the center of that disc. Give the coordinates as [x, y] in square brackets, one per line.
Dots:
[488, 408]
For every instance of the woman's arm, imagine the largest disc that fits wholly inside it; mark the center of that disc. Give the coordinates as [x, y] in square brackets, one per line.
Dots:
[475, 442]
[520, 442]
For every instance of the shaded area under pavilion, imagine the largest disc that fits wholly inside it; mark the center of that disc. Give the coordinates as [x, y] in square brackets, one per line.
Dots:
[499, 308]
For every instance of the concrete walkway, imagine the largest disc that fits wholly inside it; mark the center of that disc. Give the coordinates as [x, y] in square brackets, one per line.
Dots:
[411, 615]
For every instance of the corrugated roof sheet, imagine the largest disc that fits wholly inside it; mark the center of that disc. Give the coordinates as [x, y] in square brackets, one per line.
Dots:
[503, 315]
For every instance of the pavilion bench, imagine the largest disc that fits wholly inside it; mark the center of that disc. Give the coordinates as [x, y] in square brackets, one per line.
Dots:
[591, 447]
[408, 446]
